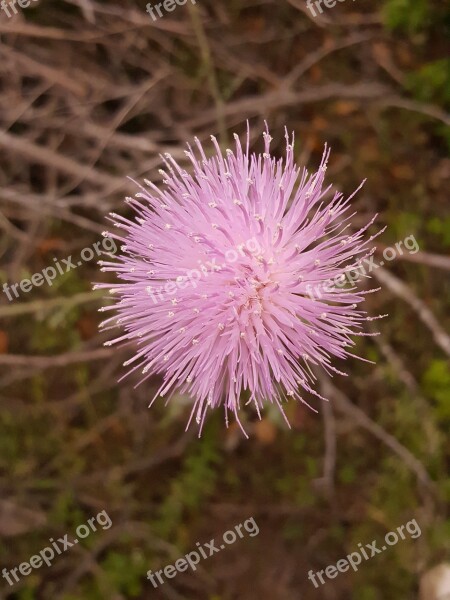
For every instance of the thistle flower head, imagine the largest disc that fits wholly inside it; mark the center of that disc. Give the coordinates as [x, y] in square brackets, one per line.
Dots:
[225, 278]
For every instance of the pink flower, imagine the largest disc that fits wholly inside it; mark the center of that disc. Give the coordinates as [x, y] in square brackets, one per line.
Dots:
[218, 275]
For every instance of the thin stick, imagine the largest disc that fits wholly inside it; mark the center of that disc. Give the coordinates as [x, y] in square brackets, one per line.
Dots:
[344, 405]
[39, 306]
[403, 291]
[210, 70]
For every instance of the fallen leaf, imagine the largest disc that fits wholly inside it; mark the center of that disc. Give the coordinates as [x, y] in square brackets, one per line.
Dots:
[50, 244]
[265, 431]
[403, 172]
[345, 107]
[87, 326]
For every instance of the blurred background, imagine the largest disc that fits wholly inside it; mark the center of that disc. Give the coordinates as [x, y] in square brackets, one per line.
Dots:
[91, 92]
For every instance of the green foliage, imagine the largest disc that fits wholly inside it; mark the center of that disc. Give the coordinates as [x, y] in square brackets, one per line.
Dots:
[394, 490]
[365, 592]
[293, 481]
[54, 336]
[347, 474]
[436, 382]
[293, 530]
[65, 511]
[124, 571]
[440, 536]
[440, 227]
[404, 224]
[431, 83]
[408, 16]
[27, 593]
[195, 483]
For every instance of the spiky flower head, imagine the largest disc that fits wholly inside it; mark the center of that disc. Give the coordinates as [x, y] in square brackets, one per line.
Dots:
[231, 278]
